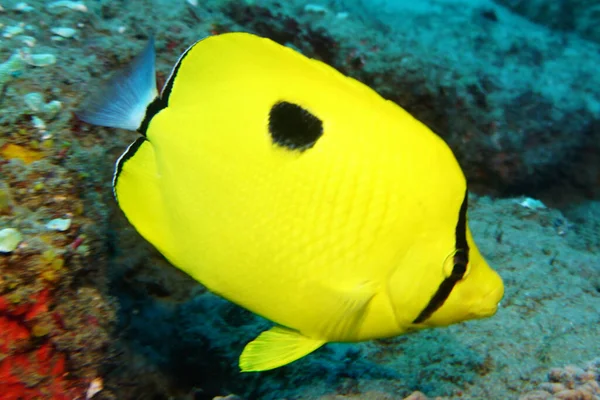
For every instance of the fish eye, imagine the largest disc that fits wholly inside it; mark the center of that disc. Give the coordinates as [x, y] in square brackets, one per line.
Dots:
[462, 266]
[467, 270]
[462, 270]
[448, 265]
[457, 265]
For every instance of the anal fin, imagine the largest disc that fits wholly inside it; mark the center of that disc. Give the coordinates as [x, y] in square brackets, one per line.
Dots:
[136, 186]
[276, 347]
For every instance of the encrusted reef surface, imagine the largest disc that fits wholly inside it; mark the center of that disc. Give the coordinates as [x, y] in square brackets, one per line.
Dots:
[502, 91]
[90, 310]
[54, 317]
[579, 16]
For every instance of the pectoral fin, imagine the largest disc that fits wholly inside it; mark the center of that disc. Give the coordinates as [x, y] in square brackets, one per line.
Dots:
[276, 347]
[346, 311]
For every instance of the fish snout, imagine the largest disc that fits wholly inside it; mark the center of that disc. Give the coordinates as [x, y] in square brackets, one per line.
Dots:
[488, 304]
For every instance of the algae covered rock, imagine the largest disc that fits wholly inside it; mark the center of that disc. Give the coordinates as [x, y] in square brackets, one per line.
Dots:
[579, 16]
[9, 239]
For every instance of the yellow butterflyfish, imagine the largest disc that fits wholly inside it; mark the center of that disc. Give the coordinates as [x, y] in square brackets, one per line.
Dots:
[297, 193]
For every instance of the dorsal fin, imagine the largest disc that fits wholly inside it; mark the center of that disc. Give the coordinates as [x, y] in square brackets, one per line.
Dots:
[123, 100]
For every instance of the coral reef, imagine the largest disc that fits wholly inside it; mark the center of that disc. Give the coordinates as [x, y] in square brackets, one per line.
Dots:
[55, 315]
[53, 328]
[9, 69]
[373, 395]
[502, 91]
[35, 373]
[569, 383]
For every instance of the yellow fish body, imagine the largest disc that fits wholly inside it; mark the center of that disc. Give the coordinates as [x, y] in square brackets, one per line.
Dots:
[297, 193]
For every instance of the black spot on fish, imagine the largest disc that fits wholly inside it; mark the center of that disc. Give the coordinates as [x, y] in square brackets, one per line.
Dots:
[461, 259]
[294, 127]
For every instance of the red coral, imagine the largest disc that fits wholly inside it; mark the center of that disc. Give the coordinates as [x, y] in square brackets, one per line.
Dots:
[11, 334]
[34, 375]
[3, 304]
[28, 370]
[39, 306]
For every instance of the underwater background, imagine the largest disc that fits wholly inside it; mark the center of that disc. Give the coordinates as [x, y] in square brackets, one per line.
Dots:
[88, 309]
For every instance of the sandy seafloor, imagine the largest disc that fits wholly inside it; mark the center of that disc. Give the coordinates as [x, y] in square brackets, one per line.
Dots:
[549, 258]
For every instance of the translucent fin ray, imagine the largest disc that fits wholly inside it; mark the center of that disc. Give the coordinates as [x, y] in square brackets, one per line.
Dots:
[276, 347]
[123, 100]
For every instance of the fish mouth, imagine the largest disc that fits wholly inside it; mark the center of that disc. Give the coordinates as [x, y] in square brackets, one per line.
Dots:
[486, 312]
[496, 295]
[490, 303]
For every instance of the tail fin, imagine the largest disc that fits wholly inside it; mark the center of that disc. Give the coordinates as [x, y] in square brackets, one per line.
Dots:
[123, 100]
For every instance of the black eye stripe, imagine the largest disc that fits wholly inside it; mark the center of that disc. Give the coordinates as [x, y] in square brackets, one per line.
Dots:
[461, 259]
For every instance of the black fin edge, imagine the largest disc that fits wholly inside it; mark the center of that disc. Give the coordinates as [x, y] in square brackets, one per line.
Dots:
[127, 154]
[162, 101]
[152, 109]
